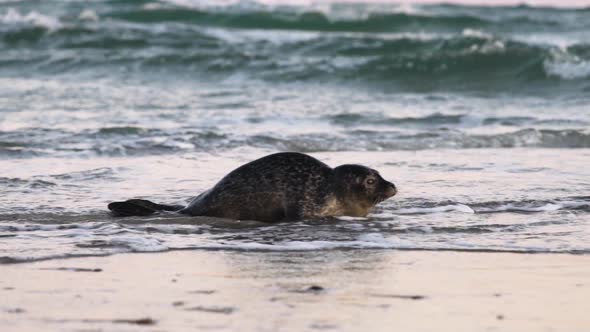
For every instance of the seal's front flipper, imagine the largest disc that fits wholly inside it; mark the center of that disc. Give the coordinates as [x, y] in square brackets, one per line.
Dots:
[139, 207]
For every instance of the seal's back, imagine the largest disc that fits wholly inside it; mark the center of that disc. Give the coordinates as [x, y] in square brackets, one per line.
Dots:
[276, 187]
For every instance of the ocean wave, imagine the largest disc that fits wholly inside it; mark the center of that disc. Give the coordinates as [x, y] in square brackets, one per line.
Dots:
[156, 142]
[568, 66]
[435, 119]
[449, 120]
[337, 17]
[393, 140]
[11, 183]
[13, 17]
[372, 17]
[448, 52]
[297, 20]
[524, 206]
[103, 173]
[436, 209]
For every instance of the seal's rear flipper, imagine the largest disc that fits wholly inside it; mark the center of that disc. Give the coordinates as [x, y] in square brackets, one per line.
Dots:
[139, 207]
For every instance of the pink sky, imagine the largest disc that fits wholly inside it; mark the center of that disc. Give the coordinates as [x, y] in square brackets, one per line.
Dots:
[548, 3]
[551, 3]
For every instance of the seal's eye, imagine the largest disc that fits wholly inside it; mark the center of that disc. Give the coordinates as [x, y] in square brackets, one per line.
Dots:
[370, 181]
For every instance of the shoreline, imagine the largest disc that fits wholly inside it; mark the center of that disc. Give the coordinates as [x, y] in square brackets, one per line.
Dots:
[338, 290]
[4, 261]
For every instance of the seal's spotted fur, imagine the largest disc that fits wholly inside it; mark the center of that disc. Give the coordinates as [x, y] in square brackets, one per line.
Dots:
[282, 186]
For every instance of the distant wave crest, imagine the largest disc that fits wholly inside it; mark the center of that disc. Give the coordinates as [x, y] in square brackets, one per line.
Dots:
[440, 49]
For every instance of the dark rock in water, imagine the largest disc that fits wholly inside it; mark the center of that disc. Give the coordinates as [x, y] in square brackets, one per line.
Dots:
[15, 311]
[323, 326]
[403, 297]
[214, 310]
[72, 269]
[7, 260]
[140, 321]
[311, 289]
[205, 291]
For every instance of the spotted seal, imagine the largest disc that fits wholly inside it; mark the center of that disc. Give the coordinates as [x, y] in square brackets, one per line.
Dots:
[280, 186]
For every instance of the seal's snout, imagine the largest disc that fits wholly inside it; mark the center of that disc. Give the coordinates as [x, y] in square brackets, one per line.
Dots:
[390, 190]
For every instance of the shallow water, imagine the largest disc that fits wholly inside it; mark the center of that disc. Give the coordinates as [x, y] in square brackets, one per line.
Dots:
[479, 115]
[480, 200]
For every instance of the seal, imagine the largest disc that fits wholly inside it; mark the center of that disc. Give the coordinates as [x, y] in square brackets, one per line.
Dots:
[278, 187]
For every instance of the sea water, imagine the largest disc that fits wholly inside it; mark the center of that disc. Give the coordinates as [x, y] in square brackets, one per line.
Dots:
[479, 115]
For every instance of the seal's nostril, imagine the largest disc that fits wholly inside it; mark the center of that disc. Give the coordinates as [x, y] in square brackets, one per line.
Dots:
[391, 190]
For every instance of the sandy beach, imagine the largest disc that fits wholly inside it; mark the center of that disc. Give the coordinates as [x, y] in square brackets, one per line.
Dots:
[478, 112]
[350, 290]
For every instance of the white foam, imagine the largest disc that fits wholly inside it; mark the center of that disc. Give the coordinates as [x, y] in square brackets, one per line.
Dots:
[568, 70]
[437, 209]
[12, 16]
[560, 40]
[542, 208]
[88, 15]
[348, 218]
[476, 33]
[420, 35]
[547, 207]
[203, 3]
[409, 9]
[490, 46]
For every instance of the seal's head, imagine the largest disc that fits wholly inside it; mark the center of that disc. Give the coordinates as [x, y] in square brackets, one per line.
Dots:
[359, 188]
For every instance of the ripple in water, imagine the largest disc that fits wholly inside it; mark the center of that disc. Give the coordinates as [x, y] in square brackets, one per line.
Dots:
[47, 236]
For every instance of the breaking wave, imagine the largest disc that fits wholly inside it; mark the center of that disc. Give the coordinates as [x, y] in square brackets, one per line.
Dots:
[158, 142]
[436, 48]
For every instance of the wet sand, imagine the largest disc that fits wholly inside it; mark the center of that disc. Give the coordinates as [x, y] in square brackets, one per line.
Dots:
[338, 290]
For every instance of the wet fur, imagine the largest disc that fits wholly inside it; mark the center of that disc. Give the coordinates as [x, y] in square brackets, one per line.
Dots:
[287, 186]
